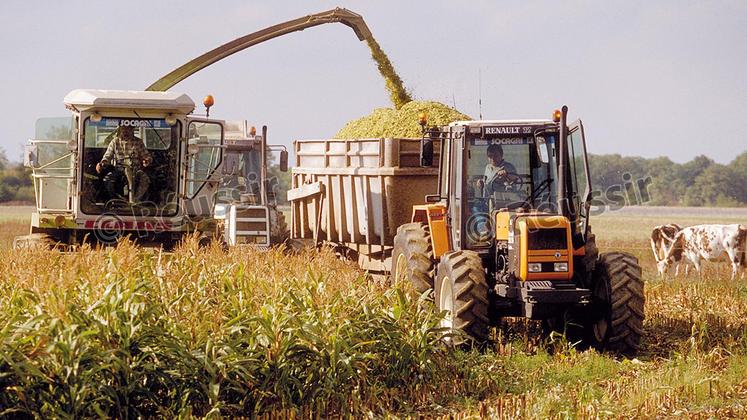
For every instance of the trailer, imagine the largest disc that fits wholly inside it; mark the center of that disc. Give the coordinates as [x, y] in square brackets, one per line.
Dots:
[354, 194]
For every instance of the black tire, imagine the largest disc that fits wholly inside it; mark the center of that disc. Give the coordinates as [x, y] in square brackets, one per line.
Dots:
[279, 233]
[412, 256]
[618, 299]
[297, 246]
[462, 290]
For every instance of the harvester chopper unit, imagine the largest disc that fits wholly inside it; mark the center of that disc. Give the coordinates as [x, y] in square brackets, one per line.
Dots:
[504, 230]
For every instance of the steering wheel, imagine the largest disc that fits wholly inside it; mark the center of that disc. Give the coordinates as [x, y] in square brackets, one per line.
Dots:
[499, 185]
[155, 168]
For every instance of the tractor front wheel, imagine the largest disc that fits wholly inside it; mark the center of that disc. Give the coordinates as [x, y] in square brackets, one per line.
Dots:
[412, 256]
[462, 292]
[618, 297]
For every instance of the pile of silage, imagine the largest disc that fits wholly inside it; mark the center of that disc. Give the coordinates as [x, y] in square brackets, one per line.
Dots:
[388, 122]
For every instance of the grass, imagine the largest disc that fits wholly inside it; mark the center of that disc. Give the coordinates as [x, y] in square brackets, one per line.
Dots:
[131, 332]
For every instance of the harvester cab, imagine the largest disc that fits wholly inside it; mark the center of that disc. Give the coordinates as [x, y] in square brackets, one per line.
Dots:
[508, 234]
[127, 163]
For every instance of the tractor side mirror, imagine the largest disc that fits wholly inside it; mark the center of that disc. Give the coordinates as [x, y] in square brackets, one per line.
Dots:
[284, 160]
[542, 149]
[432, 198]
[426, 152]
[426, 147]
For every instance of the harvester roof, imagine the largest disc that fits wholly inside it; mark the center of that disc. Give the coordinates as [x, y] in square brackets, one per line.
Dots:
[88, 99]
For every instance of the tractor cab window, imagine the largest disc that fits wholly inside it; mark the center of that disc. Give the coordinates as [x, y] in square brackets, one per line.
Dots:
[544, 174]
[129, 166]
[498, 173]
[507, 173]
[242, 173]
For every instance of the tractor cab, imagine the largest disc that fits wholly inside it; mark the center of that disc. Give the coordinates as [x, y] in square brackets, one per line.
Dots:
[501, 171]
[246, 208]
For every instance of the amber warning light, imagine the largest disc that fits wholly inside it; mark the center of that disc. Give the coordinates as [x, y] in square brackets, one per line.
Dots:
[556, 115]
[208, 102]
[422, 119]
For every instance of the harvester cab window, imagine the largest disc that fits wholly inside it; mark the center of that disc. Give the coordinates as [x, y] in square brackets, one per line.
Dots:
[50, 155]
[129, 166]
[204, 154]
[54, 128]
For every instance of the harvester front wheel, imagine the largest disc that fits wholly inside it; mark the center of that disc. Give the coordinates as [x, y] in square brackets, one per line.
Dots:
[462, 294]
[412, 256]
[619, 299]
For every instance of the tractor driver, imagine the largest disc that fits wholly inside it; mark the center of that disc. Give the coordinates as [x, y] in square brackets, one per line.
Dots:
[126, 153]
[498, 172]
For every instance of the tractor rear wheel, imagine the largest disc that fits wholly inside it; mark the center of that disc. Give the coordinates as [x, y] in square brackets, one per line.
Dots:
[618, 296]
[412, 256]
[462, 291]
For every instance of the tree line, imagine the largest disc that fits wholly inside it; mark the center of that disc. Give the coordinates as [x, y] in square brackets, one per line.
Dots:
[701, 182]
[15, 181]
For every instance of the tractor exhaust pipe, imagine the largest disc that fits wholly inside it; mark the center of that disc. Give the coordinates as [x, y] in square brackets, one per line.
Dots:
[562, 162]
[263, 170]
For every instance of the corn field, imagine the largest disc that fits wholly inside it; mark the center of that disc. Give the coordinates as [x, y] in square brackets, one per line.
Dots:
[128, 332]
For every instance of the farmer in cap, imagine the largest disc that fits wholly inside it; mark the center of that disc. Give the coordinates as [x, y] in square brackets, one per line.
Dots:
[498, 172]
[127, 156]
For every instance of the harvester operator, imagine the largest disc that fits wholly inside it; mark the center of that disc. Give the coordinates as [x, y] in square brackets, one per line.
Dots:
[125, 155]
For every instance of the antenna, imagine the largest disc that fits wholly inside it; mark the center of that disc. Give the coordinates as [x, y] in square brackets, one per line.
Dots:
[479, 91]
[453, 101]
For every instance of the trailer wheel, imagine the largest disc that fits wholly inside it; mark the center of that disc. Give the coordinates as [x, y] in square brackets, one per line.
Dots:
[462, 291]
[412, 256]
[619, 301]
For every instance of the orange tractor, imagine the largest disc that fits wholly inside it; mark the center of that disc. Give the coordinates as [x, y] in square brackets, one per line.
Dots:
[507, 233]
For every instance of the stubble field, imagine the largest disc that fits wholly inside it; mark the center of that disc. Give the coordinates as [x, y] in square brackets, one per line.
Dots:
[129, 332]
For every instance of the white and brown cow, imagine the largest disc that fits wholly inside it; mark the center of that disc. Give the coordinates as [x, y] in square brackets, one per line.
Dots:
[708, 242]
[661, 239]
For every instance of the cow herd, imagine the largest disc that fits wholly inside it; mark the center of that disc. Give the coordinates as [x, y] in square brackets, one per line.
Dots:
[676, 246]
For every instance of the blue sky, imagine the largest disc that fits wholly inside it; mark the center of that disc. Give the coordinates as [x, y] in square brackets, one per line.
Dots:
[647, 78]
